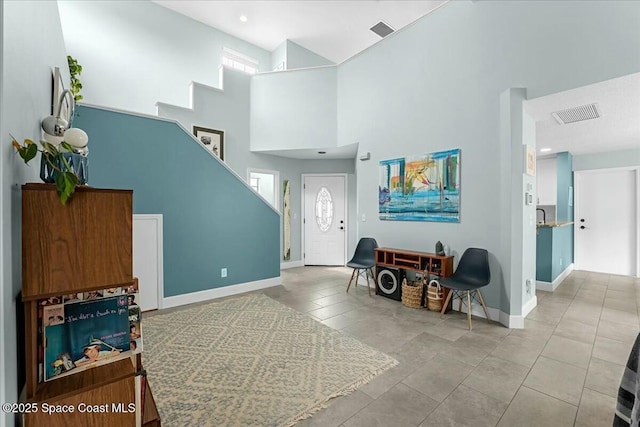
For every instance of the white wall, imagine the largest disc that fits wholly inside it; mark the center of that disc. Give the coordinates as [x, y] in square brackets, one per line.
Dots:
[32, 45]
[294, 109]
[437, 84]
[300, 57]
[135, 53]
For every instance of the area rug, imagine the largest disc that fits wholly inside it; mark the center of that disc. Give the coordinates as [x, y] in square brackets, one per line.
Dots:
[250, 361]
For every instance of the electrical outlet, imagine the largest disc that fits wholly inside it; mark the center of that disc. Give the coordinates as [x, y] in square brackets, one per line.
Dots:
[561, 261]
[528, 286]
[223, 272]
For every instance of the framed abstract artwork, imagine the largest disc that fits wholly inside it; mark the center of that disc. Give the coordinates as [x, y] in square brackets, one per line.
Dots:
[421, 188]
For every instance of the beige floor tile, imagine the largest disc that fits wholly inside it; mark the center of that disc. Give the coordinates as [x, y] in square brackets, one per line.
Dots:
[400, 406]
[595, 409]
[387, 380]
[628, 305]
[611, 350]
[604, 377]
[524, 351]
[438, 378]
[332, 310]
[619, 316]
[339, 411]
[568, 350]
[530, 408]
[577, 331]
[497, 378]
[467, 407]
[557, 379]
[471, 349]
[617, 331]
[422, 348]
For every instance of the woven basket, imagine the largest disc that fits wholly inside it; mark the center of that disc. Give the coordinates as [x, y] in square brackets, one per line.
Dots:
[435, 296]
[411, 294]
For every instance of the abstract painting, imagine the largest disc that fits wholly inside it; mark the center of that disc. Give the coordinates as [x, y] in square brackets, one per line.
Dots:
[421, 188]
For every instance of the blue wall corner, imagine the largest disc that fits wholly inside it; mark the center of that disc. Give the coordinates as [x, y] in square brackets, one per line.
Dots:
[212, 220]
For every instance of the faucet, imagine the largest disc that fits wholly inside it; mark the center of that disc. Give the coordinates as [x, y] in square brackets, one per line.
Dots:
[544, 215]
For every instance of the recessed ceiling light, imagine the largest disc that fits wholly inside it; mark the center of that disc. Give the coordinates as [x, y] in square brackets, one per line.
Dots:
[322, 152]
[243, 18]
[545, 150]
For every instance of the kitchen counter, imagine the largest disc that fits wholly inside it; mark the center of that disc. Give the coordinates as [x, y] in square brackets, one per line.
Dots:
[555, 224]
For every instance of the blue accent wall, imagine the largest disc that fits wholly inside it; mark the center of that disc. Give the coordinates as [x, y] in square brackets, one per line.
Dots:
[554, 251]
[212, 220]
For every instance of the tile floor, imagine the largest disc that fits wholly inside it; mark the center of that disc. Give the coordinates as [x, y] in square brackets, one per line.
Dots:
[562, 369]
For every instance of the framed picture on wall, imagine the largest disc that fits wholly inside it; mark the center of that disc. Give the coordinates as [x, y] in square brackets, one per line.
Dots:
[212, 139]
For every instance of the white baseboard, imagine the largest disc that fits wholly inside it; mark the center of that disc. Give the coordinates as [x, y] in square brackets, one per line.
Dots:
[551, 286]
[291, 264]
[530, 305]
[508, 320]
[224, 291]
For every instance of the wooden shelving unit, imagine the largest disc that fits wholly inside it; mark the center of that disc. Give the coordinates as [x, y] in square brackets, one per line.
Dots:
[83, 246]
[421, 262]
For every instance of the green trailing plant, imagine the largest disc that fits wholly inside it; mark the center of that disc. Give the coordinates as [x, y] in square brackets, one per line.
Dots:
[65, 178]
[75, 70]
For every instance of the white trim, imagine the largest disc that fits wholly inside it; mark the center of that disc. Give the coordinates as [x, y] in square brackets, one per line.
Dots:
[550, 287]
[224, 291]
[291, 264]
[510, 321]
[346, 212]
[193, 137]
[529, 306]
[276, 184]
[158, 219]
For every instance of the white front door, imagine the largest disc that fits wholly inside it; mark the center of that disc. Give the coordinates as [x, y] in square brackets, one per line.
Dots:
[325, 220]
[606, 221]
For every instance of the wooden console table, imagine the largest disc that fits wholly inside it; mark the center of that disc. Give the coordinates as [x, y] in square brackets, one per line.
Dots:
[421, 262]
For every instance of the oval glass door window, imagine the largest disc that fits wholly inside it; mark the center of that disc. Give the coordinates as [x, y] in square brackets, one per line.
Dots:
[324, 209]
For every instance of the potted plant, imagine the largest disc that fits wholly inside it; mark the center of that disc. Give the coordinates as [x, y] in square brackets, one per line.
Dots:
[62, 167]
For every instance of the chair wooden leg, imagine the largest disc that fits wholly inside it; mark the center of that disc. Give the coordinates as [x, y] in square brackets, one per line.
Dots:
[350, 280]
[366, 271]
[446, 303]
[469, 308]
[486, 313]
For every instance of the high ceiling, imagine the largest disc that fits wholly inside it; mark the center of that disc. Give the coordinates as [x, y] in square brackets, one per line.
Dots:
[617, 128]
[339, 29]
[334, 29]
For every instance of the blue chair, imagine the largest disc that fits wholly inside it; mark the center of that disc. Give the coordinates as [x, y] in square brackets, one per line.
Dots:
[363, 261]
[472, 274]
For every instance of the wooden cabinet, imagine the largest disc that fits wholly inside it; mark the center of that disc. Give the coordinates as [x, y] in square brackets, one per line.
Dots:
[83, 246]
[546, 182]
[421, 262]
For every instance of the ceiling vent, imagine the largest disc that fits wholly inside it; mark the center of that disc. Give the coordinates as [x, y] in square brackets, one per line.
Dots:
[382, 29]
[577, 114]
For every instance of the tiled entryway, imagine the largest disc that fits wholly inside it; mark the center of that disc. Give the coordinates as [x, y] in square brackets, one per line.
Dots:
[563, 369]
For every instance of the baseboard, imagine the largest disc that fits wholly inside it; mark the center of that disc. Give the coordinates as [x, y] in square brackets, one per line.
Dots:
[530, 305]
[551, 286]
[291, 264]
[508, 320]
[224, 291]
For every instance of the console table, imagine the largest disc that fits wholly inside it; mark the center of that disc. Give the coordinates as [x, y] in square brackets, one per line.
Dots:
[421, 262]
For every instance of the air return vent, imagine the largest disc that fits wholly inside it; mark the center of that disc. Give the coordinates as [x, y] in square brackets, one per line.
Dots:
[382, 29]
[577, 114]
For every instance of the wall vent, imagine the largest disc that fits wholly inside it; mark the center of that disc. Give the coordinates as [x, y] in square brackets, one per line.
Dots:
[577, 114]
[382, 29]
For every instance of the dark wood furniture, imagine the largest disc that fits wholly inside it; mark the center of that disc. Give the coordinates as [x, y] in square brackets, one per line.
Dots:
[421, 262]
[83, 246]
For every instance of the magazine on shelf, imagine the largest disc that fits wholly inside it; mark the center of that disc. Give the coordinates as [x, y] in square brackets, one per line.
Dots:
[94, 332]
[135, 316]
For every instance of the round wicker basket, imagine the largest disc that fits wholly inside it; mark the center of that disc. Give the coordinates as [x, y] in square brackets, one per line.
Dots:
[435, 296]
[411, 294]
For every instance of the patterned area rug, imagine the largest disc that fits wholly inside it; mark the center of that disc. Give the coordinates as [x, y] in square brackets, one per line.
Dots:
[250, 361]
